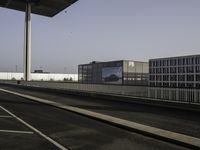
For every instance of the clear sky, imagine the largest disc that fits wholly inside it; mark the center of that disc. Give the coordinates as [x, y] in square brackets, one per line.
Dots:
[102, 30]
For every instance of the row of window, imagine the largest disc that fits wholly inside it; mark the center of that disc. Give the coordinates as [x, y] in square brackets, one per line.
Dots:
[174, 77]
[188, 69]
[175, 61]
[175, 85]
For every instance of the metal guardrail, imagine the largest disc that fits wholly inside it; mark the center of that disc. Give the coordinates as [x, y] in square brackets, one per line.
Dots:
[162, 94]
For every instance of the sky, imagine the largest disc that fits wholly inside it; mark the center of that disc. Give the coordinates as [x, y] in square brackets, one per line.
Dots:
[101, 30]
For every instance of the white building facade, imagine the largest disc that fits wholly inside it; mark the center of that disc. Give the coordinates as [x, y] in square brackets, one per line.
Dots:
[39, 76]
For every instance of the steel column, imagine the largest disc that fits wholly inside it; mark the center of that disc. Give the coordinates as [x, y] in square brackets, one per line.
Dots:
[27, 43]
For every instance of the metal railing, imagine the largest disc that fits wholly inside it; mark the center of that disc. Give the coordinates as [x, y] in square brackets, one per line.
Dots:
[162, 94]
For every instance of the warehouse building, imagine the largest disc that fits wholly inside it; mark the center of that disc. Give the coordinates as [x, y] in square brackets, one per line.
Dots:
[114, 72]
[39, 76]
[175, 72]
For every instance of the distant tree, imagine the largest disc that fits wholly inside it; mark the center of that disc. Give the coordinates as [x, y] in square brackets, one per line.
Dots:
[13, 78]
[51, 79]
[65, 79]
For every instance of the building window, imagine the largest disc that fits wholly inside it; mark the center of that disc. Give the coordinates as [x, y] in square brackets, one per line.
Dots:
[190, 85]
[173, 85]
[152, 77]
[158, 78]
[198, 69]
[198, 85]
[165, 62]
[181, 69]
[158, 84]
[165, 77]
[152, 84]
[190, 77]
[165, 84]
[197, 77]
[154, 64]
[150, 70]
[190, 69]
[181, 78]
[150, 63]
[173, 70]
[173, 62]
[181, 61]
[165, 70]
[189, 61]
[181, 85]
[158, 70]
[173, 78]
[197, 60]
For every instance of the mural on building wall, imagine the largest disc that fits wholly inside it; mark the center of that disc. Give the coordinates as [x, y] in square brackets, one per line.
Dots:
[112, 75]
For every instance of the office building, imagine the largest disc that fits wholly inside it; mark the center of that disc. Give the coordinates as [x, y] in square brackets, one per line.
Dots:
[114, 72]
[175, 72]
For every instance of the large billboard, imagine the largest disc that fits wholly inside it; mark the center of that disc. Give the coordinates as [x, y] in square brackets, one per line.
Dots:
[112, 75]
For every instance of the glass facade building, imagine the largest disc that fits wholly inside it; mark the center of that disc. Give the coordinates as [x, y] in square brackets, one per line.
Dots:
[175, 72]
[123, 72]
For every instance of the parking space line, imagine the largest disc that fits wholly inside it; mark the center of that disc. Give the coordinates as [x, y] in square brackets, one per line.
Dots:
[35, 130]
[5, 116]
[15, 131]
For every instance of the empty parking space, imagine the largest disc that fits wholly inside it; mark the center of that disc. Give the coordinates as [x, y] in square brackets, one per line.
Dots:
[11, 124]
[20, 141]
[14, 134]
[8, 124]
[3, 113]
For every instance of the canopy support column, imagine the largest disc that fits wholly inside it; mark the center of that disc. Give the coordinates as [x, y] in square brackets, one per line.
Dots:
[27, 43]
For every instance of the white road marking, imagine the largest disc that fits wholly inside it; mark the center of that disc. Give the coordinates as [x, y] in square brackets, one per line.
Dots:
[5, 116]
[15, 131]
[35, 130]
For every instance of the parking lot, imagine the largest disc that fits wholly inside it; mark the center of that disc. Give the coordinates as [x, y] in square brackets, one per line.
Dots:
[26, 124]
[15, 134]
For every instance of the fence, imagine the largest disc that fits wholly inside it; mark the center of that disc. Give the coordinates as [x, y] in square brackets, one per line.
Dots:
[162, 94]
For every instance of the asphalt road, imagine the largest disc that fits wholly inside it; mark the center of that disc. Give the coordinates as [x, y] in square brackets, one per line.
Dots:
[180, 121]
[67, 129]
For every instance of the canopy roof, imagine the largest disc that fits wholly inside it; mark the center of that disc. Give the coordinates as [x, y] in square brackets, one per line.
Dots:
[41, 7]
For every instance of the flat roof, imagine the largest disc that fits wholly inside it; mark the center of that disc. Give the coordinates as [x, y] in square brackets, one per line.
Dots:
[113, 61]
[175, 57]
[47, 8]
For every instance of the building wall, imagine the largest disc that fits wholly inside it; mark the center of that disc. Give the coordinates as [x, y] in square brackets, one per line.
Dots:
[175, 72]
[135, 73]
[127, 72]
[39, 76]
[94, 72]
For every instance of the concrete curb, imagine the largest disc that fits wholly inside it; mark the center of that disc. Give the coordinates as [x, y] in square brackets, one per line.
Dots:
[176, 138]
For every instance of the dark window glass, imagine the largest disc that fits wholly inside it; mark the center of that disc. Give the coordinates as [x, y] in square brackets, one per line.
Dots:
[173, 70]
[198, 77]
[181, 85]
[190, 69]
[173, 85]
[198, 69]
[165, 77]
[165, 84]
[181, 78]
[190, 77]
[190, 85]
[173, 78]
